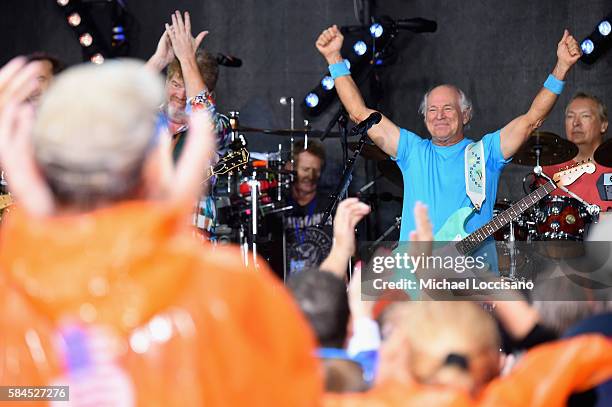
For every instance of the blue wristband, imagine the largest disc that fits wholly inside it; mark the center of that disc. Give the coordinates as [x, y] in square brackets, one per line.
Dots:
[339, 69]
[554, 85]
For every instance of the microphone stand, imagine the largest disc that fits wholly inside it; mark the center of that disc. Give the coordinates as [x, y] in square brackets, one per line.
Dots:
[343, 126]
[345, 180]
[337, 118]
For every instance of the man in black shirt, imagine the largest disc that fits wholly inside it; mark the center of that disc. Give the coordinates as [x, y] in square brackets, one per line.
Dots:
[307, 245]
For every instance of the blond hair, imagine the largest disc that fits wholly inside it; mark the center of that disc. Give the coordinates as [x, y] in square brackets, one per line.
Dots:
[94, 129]
[439, 334]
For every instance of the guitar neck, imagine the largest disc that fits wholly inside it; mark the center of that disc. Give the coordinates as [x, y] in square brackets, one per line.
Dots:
[472, 241]
[209, 173]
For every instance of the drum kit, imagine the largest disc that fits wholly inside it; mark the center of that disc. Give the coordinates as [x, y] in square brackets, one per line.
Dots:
[557, 220]
[252, 191]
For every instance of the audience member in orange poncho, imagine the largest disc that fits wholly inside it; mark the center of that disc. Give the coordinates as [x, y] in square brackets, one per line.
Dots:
[105, 291]
[446, 354]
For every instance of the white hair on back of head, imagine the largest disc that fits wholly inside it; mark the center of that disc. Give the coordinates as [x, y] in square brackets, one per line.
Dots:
[464, 102]
[94, 129]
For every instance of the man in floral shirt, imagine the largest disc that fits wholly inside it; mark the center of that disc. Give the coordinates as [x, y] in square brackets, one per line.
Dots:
[191, 76]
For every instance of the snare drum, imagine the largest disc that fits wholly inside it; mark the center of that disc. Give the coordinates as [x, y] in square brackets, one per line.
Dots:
[561, 218]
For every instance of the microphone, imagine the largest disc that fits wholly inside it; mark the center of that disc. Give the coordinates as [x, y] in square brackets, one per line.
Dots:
[417, 25]
[229, 61]
[365, 125]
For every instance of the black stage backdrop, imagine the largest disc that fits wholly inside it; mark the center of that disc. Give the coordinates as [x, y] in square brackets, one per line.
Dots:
[498, 51]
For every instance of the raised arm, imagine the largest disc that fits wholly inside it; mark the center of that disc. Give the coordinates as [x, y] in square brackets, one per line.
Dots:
[163, 54]
[515, 133]
[26, 183]
[385, 134]
[185, 48]
[350, 211]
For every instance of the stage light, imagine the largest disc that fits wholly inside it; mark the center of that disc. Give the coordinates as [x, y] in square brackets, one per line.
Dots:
[63, 2]
[97, 59]
[604, 28]
[587, 46]
[86, 40]
[74, 19]
[118, 34]
[311, 100]
[376, 30]
[360, 48]
[327, 83]
[598, 42]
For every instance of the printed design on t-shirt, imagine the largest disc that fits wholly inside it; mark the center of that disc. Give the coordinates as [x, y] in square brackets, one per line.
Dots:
[307, 247]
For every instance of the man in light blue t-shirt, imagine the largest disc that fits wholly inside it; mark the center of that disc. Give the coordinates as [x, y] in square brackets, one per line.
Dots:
[433, 169]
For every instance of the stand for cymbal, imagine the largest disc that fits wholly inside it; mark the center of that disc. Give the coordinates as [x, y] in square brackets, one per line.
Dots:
[511, 245]
[254, 185]
[248, 237]
[234, 125]
[291, 102]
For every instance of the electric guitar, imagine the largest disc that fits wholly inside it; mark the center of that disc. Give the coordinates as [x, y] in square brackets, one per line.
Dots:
[453, 230]
[236, 157]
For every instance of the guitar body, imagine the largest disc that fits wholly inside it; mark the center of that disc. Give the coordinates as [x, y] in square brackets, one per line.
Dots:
[454, 227]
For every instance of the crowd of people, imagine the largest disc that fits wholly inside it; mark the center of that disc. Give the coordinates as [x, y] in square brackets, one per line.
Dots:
[103, 287]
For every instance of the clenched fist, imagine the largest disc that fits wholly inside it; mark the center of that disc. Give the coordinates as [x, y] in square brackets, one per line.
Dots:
[568, 50]
[329, 44]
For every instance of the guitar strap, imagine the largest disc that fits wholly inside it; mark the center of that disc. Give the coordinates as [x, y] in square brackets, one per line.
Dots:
[475, 174]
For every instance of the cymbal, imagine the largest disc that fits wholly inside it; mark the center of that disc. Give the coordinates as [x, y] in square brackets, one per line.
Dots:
[288, 132]
[391, 171]
[553, 150]
[369, 151]
[603, 154]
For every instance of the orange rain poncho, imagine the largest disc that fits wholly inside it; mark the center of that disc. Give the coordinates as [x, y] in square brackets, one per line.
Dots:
[154, 317]
[173, 324]
[545, 377]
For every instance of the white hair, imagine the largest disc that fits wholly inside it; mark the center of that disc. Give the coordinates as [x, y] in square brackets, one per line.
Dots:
[464, 102]
[94, 129]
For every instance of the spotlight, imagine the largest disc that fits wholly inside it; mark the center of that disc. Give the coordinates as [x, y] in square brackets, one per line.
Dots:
[311, 100]
[587, 46]
[598, 42]
[360, 48]
[118, 34]
[63, 2]
[604, 28]
[74, 19]
[327, 83]
[376, 30]
[97, 59]
[86, 40]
